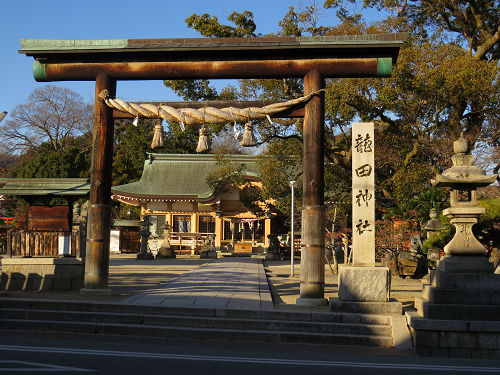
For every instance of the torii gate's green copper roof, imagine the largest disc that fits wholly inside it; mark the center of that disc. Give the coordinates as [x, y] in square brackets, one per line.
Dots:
[180, 176]
[37, 46]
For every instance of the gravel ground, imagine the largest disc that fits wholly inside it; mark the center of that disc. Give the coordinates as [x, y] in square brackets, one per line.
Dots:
[286, 289]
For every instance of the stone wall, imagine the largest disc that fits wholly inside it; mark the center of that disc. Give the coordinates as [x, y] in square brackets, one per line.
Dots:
[456, 339]
[36, 274]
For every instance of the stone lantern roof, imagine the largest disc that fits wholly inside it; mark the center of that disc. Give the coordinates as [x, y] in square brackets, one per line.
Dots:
[433, 224]
[463, 172]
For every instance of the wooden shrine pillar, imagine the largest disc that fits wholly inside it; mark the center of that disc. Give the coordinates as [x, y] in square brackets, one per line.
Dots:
[312, 275]
[99, 213]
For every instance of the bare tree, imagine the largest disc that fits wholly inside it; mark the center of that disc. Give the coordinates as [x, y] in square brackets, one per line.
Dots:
[225, 142]
[51, 115]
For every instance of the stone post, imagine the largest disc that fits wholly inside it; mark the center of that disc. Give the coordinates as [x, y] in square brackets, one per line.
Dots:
[363, 195]
[363, 282]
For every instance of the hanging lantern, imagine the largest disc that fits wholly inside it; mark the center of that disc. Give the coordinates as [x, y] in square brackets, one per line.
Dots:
[203, 144]
[248, 139]
[157, 136]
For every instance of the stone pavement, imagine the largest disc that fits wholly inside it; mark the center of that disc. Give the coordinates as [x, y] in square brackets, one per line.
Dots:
[237, 283]
[131, 279]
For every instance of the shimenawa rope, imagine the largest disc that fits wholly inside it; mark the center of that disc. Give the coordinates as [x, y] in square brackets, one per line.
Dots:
[204, 115]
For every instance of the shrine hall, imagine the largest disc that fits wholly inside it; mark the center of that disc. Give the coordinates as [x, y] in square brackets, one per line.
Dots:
[173, 191]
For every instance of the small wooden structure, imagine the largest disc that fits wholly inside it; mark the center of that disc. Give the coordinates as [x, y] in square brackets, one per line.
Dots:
[49, 227]
[130, 240]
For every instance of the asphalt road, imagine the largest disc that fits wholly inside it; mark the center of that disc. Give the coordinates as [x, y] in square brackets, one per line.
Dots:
[63, 353]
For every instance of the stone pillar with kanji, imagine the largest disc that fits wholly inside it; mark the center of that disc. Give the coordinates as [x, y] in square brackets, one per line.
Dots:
[363, 281]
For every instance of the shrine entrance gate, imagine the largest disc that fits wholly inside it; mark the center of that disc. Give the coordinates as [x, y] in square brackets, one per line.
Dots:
[312, 58]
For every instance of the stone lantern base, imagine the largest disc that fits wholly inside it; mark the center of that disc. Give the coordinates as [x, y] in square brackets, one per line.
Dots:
[458, 314]
[145, 256]
[165, 251]
[465, 264]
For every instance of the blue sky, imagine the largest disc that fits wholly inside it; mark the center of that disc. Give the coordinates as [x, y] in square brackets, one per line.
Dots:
[101, 19]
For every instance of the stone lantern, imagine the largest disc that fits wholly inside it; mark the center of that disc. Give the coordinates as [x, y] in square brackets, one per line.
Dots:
[458, 313]
[165, 250]
[464, 250]
[144, 233]
[433, 225]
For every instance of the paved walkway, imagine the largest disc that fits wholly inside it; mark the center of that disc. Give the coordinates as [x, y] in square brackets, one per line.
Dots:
[237, 283]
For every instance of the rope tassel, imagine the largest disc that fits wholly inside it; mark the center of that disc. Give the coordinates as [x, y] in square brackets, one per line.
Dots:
[203, 144]
[157, 136]
[248, 139]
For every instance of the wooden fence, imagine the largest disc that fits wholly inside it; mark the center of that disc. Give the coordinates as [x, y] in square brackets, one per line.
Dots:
[40, 244]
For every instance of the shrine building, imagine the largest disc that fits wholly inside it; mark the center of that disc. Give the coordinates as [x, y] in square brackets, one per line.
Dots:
[173, 190]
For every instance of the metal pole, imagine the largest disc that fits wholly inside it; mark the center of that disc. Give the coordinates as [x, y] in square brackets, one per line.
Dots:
[293, 184]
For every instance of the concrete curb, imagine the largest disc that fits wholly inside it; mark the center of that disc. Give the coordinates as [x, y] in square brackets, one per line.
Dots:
[401, 333]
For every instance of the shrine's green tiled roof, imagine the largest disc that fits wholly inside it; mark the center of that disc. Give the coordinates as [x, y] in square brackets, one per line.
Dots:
[126, 223]
[180, 176]
[45, 186]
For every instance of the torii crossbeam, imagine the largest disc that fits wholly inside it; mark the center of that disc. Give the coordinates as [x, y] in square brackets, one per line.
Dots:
[310, 58]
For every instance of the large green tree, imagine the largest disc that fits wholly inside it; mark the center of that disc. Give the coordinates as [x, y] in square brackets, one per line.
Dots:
[72, 162]
[445, 82]
[474, 24]
[133, 143]
[446, 79]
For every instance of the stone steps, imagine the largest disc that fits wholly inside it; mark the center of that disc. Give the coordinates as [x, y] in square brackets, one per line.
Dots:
[197, 333]
[199, 323]
[460, 296]
[430, 310]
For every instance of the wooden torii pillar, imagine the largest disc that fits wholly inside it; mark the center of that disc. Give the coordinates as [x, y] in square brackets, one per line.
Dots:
[312, 264]
[99, 212]
[310, 58]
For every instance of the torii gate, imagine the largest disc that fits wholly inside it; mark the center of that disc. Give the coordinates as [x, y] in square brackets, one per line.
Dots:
[310, 58]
